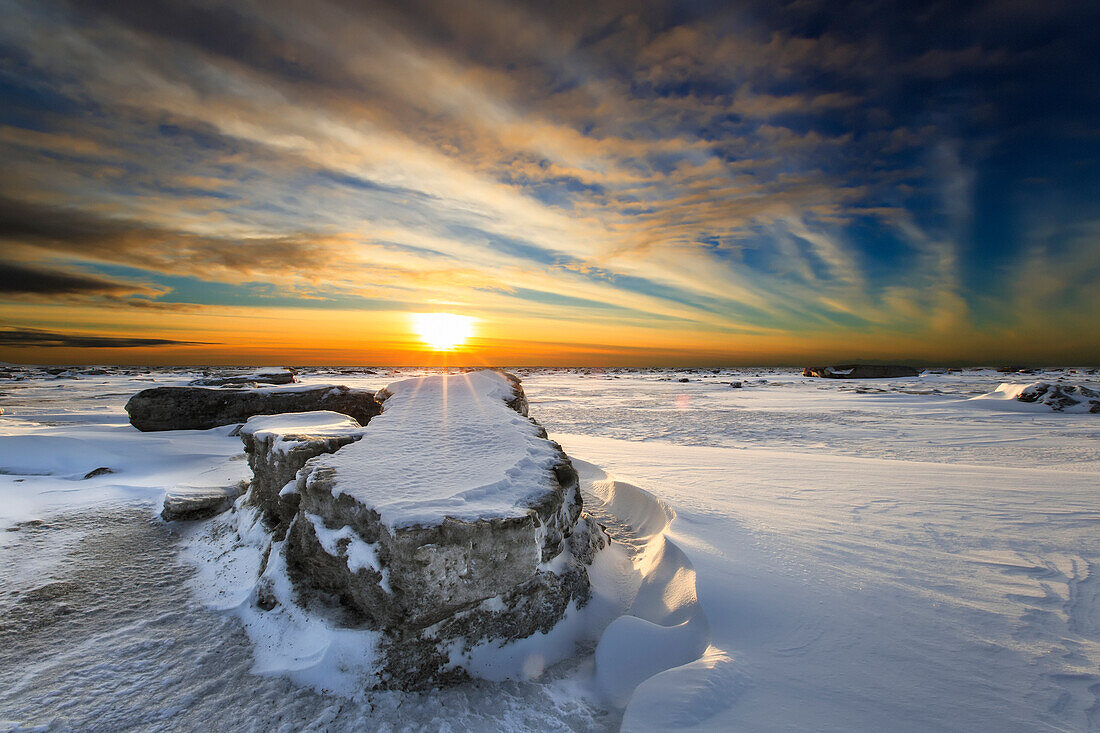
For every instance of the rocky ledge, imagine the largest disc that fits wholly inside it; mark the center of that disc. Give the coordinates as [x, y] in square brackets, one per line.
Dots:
[861, 371]
[202, 408]
[277, 446]
[449, 521]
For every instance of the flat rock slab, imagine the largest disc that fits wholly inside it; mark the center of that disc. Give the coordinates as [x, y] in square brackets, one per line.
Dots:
[184, 503]
[202, 408]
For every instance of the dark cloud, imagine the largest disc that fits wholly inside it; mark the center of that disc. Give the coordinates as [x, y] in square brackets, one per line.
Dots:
[21, 279]
[37, 338]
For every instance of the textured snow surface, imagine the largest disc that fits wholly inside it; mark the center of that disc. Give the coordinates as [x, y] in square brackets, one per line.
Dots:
[319, 422]
[796, 555]
[446, 446]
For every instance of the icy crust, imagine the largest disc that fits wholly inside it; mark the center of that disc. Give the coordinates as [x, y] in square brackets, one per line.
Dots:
[476, 457]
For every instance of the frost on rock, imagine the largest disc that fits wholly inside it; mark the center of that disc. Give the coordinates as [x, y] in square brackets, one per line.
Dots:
[202, 408]
[449, 521]
[198, 502]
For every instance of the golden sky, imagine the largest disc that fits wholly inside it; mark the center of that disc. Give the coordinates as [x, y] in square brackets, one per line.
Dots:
[593, 183]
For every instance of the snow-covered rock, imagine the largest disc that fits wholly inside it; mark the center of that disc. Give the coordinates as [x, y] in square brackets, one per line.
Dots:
[198, 502]
[1061, 397]
[451, 522]
[861, 371]
[1041, 396]
[202, 408]
[278, 445]
[260, 376]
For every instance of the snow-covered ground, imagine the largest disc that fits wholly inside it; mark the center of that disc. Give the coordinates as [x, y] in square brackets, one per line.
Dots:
[807, 554]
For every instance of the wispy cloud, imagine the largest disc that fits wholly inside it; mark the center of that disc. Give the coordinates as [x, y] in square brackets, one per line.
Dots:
[799, 169]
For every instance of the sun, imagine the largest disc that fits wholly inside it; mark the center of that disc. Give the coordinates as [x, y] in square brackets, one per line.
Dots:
[442, 331]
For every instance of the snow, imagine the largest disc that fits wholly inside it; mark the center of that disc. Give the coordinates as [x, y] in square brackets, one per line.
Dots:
[475, 457]
[794, 555]
[282, 429]
[1008, 396]
[286, 640]
[867, 594]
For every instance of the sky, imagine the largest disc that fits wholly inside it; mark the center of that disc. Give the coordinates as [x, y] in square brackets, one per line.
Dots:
[596, 183]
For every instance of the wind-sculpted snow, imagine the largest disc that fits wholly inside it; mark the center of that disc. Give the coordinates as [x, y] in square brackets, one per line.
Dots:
[663, 628]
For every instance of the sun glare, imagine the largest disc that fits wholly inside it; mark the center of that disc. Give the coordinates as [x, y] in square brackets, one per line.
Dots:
[442, 331]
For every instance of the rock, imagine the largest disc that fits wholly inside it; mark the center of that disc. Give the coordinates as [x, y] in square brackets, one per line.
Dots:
[860, 371]
[278, 445]
[452, 521]
[101, 471]
[202, 408]
[184, 503]
[683, 379]
[1060, 397]
[262, 376]
[735, 385]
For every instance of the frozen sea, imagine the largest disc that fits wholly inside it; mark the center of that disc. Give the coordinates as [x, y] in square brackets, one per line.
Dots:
[831, 555]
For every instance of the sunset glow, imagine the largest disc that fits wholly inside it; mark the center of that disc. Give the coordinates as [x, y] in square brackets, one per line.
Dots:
[442, 331]
[727, 183]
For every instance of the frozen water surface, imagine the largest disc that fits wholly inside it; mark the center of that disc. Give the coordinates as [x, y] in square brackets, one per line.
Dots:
[808, 555]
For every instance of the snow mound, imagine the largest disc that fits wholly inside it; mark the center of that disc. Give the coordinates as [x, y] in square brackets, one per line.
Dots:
[42, 455]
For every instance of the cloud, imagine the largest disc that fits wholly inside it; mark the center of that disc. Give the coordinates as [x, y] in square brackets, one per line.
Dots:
[748, 167]
[27, 338]
[21, 279]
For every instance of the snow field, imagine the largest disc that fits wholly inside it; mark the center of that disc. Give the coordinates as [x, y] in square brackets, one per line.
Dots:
[888, 555]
